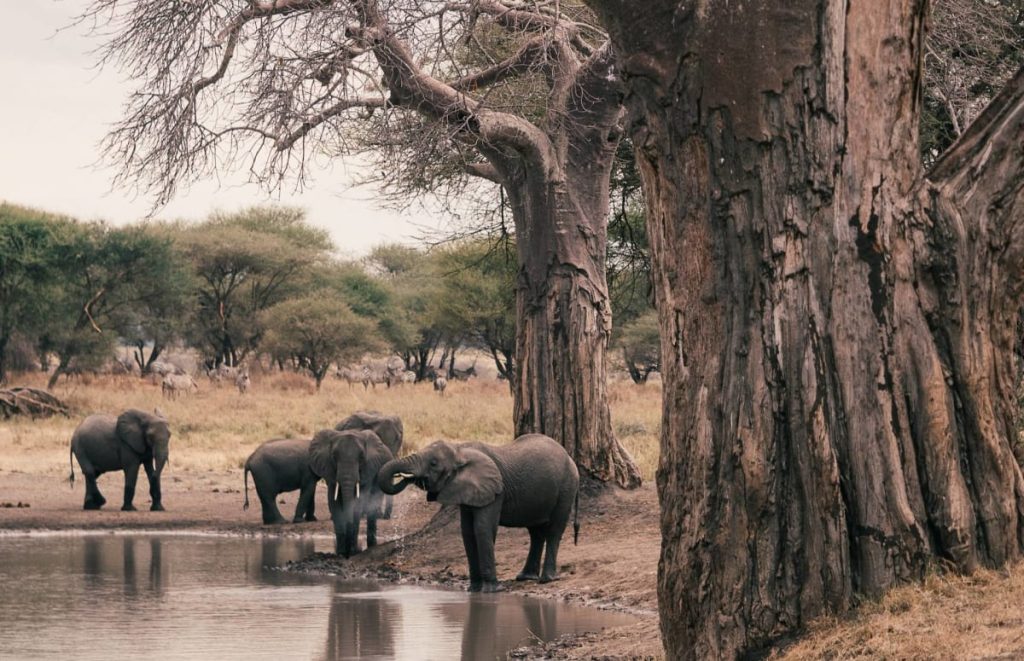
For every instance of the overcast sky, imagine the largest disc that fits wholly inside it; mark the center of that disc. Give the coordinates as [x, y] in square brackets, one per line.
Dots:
[55, 108]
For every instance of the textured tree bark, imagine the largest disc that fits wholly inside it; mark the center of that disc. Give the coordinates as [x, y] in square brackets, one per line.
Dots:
[563, 312]
[837, 326]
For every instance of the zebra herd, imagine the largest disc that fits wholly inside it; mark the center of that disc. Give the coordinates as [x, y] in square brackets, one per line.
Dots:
[393, 374]
[388, 375]
[176, 382]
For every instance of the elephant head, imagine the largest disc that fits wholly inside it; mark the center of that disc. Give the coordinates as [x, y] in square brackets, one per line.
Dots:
[147, 434]
[450, 474]
[387, 427]
[349, 461]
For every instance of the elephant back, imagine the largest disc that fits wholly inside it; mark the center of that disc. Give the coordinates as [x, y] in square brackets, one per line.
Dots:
[387, 427]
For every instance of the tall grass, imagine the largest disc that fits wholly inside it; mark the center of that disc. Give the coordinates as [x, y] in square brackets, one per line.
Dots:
[217, 428]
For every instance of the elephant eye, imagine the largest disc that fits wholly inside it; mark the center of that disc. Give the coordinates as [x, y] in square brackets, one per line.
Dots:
[433, 462]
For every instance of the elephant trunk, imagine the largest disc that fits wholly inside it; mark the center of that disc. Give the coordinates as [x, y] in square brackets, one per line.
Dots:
[345, 515]
[397, 474]
[160, 456]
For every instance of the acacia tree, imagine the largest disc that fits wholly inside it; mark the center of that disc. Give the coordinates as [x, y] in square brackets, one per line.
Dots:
[317, 332]
[278, 81]
[28, 272]
[245, 263]
[837, 323]
[477, 298]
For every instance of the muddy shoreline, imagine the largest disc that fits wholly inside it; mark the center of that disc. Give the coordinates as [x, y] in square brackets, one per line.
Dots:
[613, 567]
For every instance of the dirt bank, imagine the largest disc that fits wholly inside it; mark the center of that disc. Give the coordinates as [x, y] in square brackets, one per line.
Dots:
[614, 565]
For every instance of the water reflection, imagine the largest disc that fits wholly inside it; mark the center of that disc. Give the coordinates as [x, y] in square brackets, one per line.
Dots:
[415, 623]
[220, 597]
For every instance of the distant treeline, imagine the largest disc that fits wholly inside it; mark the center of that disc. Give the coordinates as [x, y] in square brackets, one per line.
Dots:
[257, 282]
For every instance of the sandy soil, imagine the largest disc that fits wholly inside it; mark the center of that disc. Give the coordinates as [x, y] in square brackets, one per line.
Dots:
[614, 566]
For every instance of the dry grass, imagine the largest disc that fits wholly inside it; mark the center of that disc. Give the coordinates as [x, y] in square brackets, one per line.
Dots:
[947, 617]
[217, 428]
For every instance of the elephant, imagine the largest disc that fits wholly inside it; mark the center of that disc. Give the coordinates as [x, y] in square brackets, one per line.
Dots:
[387, 427]
[531, 483]
[278, 466]
[103, 443]
[349, 462]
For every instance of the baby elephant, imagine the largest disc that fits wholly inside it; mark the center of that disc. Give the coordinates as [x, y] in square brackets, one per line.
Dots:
[103, 443]
[278, 466]
[530, 483]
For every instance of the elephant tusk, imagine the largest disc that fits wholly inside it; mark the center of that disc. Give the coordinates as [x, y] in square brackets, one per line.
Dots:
[398, 477]
[357, 490]
[337, 490]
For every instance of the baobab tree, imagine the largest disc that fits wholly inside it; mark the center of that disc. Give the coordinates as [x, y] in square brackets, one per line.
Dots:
[837, 323]
[521, 94]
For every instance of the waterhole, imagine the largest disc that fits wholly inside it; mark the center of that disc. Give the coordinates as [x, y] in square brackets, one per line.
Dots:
[114, 596]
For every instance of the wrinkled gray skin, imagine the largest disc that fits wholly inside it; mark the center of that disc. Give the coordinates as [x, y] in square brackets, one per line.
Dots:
[278, 466]
[349, 461]
[530, 483]
[103, 443]
[388, 428]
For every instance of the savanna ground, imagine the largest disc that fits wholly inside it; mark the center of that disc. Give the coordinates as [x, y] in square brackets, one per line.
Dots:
[614, 565]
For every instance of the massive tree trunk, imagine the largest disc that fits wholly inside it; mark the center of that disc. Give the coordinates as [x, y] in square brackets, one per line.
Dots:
[837, 326]
[560, 207]
[557, 175]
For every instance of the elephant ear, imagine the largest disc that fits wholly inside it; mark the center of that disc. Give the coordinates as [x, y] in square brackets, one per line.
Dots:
[375, 453]
[130, 430]
[321, 451]
[477, 481]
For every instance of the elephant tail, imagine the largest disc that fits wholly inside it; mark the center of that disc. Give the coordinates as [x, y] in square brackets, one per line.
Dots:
[576, 519]
[245, 477]
[71, 461]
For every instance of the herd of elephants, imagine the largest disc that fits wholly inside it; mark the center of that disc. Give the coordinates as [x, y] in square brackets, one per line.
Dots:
[530, 483]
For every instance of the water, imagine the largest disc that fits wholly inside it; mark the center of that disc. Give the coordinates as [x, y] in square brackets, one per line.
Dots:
[107, 596]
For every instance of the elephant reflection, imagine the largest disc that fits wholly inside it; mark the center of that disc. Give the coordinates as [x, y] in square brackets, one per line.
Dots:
[105, 557]
[276, 553]
[493, 625]
[359, 628]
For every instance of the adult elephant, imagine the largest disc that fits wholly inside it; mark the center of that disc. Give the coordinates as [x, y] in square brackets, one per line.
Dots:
[349, 462]
[278, 466]
[103, 443]
[530, 483]
[387, 427]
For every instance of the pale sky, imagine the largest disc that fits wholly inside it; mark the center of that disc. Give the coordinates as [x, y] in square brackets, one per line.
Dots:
[55, 108]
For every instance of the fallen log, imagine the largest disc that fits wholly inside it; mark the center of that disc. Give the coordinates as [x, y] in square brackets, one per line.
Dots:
[32, 402]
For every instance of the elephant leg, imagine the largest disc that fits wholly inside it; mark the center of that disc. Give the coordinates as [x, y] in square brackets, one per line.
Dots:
[371, 531]
[469, 542]
[131, 476]
[93, 498]
[304, 510]
[268, 503]
[154, 487]
[352, 538]
[531, 570]
[554, 538]
[485, 529]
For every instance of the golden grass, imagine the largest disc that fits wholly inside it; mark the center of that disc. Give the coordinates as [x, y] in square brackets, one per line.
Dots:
[947, 617]
[217, 428]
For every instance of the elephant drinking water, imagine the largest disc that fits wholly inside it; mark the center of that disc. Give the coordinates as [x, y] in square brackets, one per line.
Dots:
[530, 483]
[103, 443]
[349, 461]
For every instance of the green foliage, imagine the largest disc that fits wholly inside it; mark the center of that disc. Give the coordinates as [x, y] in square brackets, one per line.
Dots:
[641, 346]
[245, 263]
[409, 320]
[477, 299]
[163, 314]
[104, 273]
[316, 331]
[28, 271]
